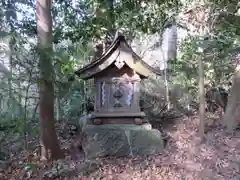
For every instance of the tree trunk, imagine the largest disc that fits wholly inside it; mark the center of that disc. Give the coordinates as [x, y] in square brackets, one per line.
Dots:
[10, 14]
[232, 115]
[201, 97]
[48, 137]
[58, 106]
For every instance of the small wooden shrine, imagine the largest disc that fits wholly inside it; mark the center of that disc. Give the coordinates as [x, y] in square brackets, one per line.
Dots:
[117, 74]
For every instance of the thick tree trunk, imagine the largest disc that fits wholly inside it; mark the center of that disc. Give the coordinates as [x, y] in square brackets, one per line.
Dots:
[48, 137]
[232, 115]
[12, 42]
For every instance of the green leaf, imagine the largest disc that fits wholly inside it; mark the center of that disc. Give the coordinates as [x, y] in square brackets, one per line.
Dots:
[30, 166]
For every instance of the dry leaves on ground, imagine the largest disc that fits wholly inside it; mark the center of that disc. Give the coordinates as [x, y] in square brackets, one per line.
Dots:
[184, 158]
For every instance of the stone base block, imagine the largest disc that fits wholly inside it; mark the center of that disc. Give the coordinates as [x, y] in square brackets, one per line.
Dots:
[121, 140]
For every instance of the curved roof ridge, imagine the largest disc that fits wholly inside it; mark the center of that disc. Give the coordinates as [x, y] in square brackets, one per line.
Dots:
[134, 61]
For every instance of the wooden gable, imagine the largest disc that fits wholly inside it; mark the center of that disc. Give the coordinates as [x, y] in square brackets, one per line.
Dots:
[119, 54]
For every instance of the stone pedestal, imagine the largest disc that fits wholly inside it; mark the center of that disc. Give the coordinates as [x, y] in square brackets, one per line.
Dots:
[121, 140]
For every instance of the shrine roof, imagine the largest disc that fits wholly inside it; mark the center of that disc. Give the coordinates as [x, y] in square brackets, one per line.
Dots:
[120, 53]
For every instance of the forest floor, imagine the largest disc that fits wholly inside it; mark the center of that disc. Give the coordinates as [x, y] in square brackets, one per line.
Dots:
[184, 158]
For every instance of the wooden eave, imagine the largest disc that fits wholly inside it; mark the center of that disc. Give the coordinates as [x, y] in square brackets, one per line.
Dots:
[118, 49]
